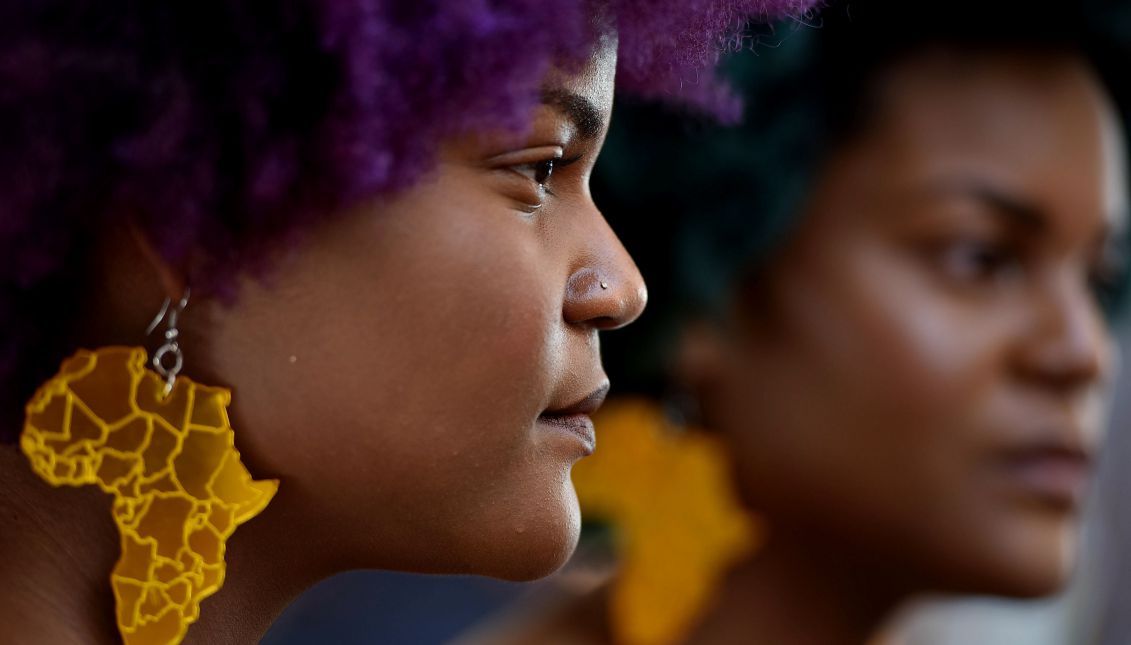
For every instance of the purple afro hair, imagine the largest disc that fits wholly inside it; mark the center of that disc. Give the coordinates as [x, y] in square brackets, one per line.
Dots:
[239, 123]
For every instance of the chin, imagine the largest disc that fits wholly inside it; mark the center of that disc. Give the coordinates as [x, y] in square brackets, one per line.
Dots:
[1037, 580]
[1032, 566]
[1047, 565]
[524, 540]
[539, 551]
[538, 562]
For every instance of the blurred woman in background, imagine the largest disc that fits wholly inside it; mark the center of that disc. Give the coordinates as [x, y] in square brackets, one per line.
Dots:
[902, 272]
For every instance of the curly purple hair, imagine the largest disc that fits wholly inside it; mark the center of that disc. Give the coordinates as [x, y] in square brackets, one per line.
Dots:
[238, 123]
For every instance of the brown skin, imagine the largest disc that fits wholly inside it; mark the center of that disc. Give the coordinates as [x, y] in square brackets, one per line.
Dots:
[908, 383]
[392, 374]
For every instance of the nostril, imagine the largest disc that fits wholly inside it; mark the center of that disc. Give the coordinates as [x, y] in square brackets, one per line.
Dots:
[606, 323]
[600, 300]
[585, 285]
[1066, 366]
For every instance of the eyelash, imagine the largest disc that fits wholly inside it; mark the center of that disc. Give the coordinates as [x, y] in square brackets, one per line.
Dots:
[545, 165]
[986, 262]
[1108, 280]
[981, 261]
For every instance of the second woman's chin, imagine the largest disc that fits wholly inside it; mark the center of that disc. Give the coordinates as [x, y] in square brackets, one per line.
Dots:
[1018, 578]
[1043, 572]
[1030, 560]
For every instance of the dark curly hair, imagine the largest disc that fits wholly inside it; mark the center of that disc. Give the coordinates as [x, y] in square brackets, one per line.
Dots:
[722, 200]
[236, 123]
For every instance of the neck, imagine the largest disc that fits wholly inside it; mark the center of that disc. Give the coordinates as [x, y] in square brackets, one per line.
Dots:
[269, 564]
[799, 591]
[59, 545]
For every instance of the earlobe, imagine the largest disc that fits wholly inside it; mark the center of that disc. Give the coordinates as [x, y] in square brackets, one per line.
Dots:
[698, 357]
[174, 280]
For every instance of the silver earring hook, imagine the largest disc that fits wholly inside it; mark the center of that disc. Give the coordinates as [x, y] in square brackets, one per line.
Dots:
[171, 346]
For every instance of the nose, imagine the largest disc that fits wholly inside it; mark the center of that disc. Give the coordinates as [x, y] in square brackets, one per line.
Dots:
[1069, 347]
[605, 290]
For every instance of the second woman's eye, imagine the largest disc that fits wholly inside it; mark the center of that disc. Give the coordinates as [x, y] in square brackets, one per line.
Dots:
[979, 261]
[1108, 278]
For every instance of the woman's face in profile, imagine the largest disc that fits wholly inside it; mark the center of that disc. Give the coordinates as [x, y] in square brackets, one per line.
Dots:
[918, 378]
[416, 374]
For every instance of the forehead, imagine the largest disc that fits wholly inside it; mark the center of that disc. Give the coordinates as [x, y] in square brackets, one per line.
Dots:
[1037, 122]
[594, 80]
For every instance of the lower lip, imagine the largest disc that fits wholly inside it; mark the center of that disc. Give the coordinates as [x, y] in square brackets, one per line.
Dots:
[1060, 481]
[575, 426]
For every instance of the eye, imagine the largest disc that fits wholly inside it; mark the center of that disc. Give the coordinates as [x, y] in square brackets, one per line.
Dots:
[1108, 279]
[543, 170]
[539, 171]
[530, 175]
[980, 261]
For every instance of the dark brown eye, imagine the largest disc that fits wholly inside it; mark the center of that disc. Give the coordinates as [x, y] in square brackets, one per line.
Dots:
[980, 261]
[1108, 277]
[543, 170]
[539, 171]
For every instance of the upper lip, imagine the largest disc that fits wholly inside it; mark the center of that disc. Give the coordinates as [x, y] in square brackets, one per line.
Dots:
[1068, 445]
[1052, 449]
[586, 405]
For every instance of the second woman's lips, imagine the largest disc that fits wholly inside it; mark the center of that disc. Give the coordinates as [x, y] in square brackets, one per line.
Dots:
[1054, 474]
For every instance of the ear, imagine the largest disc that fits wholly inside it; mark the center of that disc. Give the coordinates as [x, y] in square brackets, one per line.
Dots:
[173, 279]
[698, 361]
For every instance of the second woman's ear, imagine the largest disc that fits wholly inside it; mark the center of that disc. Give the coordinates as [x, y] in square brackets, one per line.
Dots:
[698, 358]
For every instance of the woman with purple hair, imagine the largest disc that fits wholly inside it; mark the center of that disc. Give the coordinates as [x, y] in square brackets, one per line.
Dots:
[381, 209]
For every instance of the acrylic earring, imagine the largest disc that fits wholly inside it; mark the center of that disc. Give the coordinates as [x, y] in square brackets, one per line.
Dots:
[668, 493]
[163, 447]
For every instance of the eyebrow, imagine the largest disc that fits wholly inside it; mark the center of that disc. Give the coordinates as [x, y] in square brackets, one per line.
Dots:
[1023, 214]
[578, 109]
[1014, 210]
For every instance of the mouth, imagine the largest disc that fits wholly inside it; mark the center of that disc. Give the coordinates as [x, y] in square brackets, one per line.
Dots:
[574, 419]
[1056, 474]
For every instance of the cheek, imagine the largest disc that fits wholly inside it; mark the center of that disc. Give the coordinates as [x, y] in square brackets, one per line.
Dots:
[912, 353]
[871, 392]
[871, 414]
[403, 323]
[423, 349]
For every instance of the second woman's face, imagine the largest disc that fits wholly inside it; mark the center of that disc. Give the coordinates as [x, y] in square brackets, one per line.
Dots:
[918, 378]
[418, 374]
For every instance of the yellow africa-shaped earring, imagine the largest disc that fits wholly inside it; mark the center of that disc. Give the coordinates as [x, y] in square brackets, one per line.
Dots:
[668, 492]
[163, 447]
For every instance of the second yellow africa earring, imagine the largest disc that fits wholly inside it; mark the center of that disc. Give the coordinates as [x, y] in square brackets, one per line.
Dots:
[668, 492]
[163, 447]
